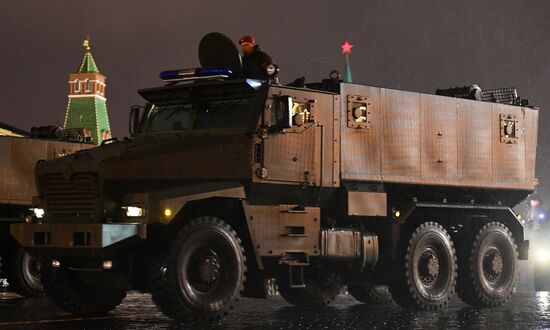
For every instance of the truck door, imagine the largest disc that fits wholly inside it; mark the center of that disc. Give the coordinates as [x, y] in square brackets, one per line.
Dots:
[291, 154]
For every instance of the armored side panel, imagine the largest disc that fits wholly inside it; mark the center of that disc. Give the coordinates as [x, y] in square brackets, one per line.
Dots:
[438, 134]
[361, 141]
[284, 229]
[397, 136]
[306, 154]
[400, 114]
[474, 144]
[18, 156]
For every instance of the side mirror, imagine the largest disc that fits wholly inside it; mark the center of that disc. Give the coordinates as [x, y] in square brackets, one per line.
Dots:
[135, 115]
[283, 111]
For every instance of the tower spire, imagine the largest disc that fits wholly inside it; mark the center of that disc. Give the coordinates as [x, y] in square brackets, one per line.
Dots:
[88, 64]
[346, 50]
[87, 108]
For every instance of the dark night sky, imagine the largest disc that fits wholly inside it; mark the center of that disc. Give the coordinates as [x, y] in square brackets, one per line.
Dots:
[411, 45]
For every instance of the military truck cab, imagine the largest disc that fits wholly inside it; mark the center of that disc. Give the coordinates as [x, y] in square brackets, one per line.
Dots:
[229, 182]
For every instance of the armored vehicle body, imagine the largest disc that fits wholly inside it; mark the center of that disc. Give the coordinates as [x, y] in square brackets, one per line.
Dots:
[228, 182]
[18, 156]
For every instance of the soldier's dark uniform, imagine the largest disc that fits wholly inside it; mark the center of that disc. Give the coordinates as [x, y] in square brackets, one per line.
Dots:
[256, 62]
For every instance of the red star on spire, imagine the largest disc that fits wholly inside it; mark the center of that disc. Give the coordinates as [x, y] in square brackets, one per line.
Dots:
[346, 47]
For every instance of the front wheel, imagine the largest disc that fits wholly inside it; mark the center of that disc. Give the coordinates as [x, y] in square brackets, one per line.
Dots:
[204, 273]
[487, 274]
[427, 275]
[23, 273]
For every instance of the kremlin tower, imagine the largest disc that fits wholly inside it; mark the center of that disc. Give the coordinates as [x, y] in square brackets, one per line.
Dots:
[87, 108]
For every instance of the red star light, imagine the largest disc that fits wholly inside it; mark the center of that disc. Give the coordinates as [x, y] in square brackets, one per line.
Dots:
[346, 47]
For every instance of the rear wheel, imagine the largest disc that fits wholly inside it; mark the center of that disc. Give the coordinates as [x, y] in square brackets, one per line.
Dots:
[427, 275]
[204, 273]
[68, 292]
[321, 288]
[487, 274]
[23, 273]
[371, 293]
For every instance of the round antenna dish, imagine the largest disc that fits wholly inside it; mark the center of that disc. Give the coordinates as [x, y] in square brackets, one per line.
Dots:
[217, 50]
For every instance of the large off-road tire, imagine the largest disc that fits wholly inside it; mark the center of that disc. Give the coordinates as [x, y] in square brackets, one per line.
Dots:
[204, 273]
[321, 288]
[427, 274]
[487, 274]
[371, 293]
[72, 295]
[23, 272]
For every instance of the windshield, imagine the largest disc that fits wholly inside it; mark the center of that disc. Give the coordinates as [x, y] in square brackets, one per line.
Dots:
[232, 113]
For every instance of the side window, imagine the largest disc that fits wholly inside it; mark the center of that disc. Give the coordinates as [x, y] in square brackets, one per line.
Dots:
[169, 118]
[77, 86]
[301, 113]
[287, 112]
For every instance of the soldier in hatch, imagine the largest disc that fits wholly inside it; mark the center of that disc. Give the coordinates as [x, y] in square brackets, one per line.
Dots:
[255, 61]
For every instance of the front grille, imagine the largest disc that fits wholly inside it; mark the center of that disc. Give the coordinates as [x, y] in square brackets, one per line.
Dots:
[69, 197]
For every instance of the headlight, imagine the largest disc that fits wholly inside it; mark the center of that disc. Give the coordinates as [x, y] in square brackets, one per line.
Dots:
[134, 211]
[543, 256]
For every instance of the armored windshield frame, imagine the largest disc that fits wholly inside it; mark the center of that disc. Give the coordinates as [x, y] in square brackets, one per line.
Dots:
[203, 91]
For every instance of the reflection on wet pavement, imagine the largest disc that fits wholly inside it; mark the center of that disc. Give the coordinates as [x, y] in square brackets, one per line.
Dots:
[525, 311]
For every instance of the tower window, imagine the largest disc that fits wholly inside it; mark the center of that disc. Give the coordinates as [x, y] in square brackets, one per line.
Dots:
[77, 86]
[87, 85]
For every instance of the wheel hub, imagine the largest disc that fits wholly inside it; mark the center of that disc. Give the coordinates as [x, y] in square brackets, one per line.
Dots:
[204, 270]
[428, 267]
[492, 264]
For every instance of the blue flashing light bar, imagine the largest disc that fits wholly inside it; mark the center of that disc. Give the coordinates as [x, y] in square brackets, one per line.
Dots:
[213, 71]
[173, 75]
[177, 74]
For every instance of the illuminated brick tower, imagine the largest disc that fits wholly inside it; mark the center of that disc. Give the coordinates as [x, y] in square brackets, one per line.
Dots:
[87, 108]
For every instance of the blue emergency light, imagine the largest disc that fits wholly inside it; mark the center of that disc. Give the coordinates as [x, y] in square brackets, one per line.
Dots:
[188, 74]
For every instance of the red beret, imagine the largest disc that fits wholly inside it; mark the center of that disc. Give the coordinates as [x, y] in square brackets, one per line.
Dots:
[247, 38]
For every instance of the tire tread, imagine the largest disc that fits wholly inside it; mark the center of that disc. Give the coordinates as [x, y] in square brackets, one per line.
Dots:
[468, 289]
[166, 299]
[402, 290]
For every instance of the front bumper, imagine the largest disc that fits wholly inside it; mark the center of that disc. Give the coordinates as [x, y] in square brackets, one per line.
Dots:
[71, 239]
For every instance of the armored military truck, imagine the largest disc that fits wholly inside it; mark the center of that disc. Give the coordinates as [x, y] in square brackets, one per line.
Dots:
[226, 182]
[18, 156]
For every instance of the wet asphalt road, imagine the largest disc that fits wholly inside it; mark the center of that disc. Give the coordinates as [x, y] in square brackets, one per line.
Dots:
[525, 311]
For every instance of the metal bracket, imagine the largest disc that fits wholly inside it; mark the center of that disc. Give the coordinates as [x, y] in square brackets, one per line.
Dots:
[296, 263]
[296, 279]
[508, 129]
[262, 173]
[359, 112]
